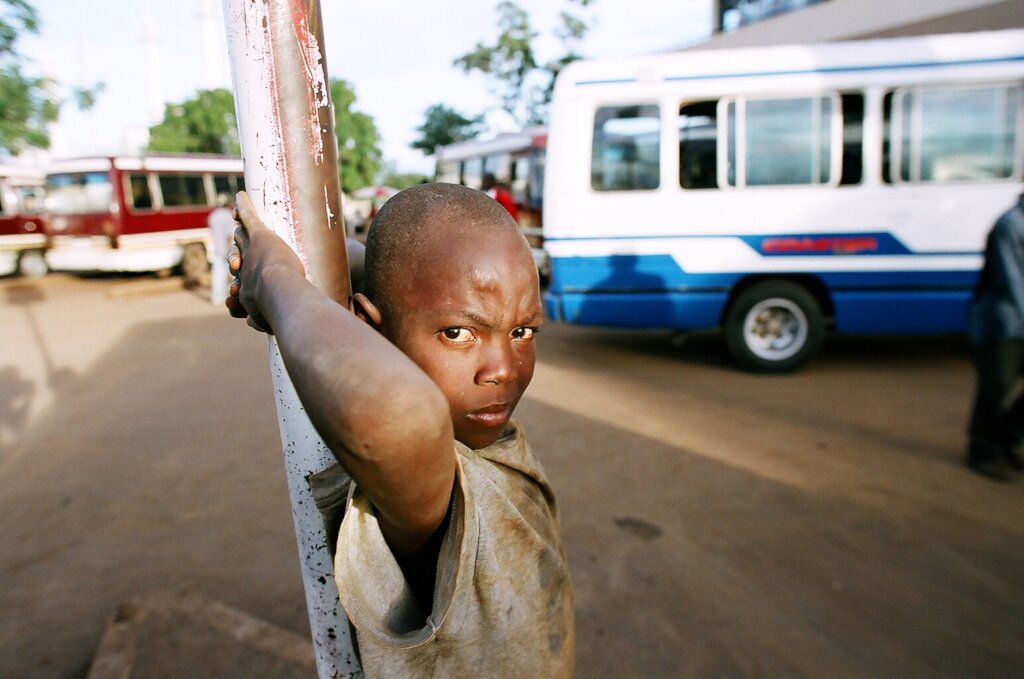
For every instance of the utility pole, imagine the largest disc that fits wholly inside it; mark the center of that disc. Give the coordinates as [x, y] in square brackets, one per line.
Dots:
[286, 129]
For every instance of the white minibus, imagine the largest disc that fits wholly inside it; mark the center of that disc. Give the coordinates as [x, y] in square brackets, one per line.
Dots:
[779, 192]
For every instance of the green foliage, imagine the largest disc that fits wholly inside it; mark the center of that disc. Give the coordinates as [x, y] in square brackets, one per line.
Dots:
[523, 86]
[509, 60]
[442, 126]
[16, 16]
[27, 105]
[359, 154]
[206, 124]
[85, 97]
[402, 180]
[203, 124]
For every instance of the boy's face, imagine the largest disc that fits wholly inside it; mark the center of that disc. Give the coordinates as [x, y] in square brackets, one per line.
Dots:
[466, 312]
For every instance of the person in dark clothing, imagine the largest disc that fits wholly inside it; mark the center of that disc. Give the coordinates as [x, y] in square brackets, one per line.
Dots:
[996, 327]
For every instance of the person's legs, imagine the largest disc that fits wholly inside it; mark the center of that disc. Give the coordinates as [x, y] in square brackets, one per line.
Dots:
[1012, 418]
[218, 280]
[996, 373]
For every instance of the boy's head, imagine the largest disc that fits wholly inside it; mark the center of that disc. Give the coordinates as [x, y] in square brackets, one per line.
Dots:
[450, 280]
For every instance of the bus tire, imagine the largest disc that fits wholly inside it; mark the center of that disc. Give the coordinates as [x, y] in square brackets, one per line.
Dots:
[32, 264]
[774, 326]
[194, 264]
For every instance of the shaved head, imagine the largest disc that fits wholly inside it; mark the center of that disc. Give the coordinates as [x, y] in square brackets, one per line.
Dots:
[411, 222]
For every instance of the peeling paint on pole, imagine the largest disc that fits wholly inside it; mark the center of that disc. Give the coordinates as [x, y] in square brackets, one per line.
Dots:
[286, 126]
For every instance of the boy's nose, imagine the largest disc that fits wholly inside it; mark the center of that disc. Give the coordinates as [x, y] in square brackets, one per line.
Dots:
[498, 365]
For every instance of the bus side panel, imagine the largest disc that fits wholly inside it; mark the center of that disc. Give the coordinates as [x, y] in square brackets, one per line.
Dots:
[898, 312]
[639, 309]
[649, 291]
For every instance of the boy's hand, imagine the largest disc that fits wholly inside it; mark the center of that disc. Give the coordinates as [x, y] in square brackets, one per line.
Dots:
[257, 251]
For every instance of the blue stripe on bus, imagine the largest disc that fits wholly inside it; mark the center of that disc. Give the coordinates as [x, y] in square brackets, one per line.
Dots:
[812, 71]
[660, 273]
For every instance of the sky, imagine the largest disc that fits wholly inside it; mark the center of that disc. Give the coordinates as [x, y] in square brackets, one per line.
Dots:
[397, 54]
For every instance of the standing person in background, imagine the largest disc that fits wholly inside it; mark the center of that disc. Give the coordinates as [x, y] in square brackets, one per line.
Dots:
[997, 333]
[490, 186]
[222, 228]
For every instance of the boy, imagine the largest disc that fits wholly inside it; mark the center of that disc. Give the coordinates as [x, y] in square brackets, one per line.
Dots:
[449, 562]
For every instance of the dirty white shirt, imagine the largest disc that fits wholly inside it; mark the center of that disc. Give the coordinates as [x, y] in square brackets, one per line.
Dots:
[502, 598]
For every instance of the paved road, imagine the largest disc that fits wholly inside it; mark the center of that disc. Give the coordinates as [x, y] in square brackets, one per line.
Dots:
[717, 523]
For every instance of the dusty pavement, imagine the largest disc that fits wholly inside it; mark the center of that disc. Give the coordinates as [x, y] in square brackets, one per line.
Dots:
[717, 523]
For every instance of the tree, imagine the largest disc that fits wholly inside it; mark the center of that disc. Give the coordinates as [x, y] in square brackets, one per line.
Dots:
[442, 126]
[401, 180]
[204, 124]
[27, 104]
[359, 154]
[523, 86]
[207, 124]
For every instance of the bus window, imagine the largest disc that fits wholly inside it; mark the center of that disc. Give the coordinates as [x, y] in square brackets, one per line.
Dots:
[140, 195]
[887, 138]
[182, 190]
[535, 187]
[500, 166]
[448, 171]
[853, 138]
[78, 193]
[473, 172]
[698, 145]
[956, 134]
[626, 151]
[519, 174]
[786, 141]
[228, 184]
[222, 184]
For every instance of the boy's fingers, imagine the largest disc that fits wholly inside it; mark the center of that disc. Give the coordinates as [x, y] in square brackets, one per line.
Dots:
[247, 214]
[235, 308]
[258, 324]
[234, 260]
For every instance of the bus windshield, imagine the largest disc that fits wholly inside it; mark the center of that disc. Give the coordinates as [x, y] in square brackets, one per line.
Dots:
[30, 199]
[78, 193]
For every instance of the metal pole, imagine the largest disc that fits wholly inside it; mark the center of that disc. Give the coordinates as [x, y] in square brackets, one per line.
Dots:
[286, 128]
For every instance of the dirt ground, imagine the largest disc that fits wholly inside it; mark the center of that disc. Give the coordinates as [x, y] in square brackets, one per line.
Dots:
[717, 523]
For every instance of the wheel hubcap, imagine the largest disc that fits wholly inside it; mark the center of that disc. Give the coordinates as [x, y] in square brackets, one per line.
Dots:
[775, 329]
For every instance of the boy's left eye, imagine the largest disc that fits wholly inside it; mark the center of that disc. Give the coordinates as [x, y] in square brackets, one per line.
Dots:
[523, 333]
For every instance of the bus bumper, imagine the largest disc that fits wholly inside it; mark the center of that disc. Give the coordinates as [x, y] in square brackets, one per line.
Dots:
[94, 259]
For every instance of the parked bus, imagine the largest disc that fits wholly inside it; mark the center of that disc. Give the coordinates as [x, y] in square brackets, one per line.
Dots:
[22, 236]
[136, 213]
[517, 161]
[778, 192]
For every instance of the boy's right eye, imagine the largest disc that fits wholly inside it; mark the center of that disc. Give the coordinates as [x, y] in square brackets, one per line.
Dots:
[457, 334]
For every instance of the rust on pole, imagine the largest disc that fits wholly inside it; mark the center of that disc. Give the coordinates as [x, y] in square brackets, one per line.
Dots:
[289, 149]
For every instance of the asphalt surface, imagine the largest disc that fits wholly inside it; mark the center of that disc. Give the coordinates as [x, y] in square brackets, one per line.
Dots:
[717, 523]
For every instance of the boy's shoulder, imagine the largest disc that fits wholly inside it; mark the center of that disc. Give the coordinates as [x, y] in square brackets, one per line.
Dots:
[511, 451]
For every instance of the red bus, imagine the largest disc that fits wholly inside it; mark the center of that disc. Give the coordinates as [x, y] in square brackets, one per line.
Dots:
[22, 235]
[136, 213]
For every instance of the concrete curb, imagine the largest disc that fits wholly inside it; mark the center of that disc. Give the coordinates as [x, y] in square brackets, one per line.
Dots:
[184, 634]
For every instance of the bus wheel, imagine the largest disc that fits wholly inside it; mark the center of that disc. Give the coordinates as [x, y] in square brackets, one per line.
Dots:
[774, 327]
[194, 265]
[32, 264]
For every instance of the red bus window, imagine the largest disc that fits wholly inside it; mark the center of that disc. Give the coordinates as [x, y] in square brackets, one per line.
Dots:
[141, 197]
[183, 190]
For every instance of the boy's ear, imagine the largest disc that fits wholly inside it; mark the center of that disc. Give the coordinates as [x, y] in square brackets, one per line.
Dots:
[366, 310]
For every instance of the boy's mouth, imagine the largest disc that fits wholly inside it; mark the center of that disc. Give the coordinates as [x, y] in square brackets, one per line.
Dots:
[494, 415]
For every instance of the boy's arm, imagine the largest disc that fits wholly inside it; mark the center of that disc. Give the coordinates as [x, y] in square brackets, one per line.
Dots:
[383, 417]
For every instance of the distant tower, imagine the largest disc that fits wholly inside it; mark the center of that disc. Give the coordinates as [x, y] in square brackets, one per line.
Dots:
[213, 45]
[154, 81]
